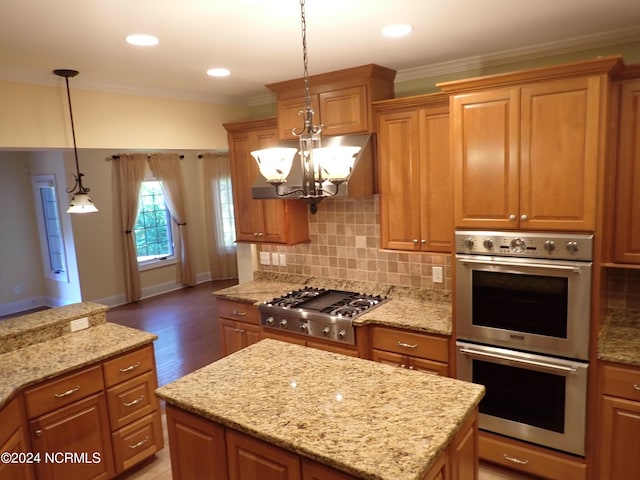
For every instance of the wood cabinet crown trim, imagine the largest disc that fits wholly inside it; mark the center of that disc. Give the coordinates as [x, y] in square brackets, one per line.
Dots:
[415, 101]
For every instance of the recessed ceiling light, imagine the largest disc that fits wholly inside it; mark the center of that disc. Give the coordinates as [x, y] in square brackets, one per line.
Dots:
[142, 40]
[397, 30]
[218, 72]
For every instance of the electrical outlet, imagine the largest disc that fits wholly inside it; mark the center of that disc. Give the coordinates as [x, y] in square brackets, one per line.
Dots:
[265, 258]
[437, 274]
[275, 259]
[283, 259]
[79, 324]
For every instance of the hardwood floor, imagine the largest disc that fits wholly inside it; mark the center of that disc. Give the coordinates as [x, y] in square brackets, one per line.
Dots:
[188, 338]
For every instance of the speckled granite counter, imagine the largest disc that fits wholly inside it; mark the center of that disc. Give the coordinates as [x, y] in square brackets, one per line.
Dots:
[619, 339]
[412, 309]
[371, 420]
[40, 326]
[34, 363]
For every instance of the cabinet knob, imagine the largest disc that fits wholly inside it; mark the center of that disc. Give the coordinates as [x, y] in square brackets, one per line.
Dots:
[512, 218]
[38, 433]
[523, 217]
[415, 241]
[423, 241]
[636, 386]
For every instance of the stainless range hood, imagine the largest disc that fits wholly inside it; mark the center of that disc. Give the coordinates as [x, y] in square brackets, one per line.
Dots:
[359, 183]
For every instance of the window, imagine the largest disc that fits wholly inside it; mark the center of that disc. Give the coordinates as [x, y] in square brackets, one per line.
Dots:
[153, 228]
[224, 213]
[50, 228]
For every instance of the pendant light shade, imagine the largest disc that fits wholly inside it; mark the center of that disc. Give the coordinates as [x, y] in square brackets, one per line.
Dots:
[80, 201]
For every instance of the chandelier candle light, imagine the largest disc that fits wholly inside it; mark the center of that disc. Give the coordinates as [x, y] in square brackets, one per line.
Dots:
[80, 201]
[323, 169]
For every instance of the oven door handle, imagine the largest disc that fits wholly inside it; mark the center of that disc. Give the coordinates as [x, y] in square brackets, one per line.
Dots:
[518, 264]
[531, 364]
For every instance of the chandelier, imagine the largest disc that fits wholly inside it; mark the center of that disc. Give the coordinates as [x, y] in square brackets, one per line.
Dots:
[80, 201]
[323, 169]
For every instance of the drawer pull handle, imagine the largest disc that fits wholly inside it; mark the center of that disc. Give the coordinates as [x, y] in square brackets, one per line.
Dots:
[140, 443]
[67, 393]
[515, 460]
[407, 345]
[636, 386]
[130, 367]
[134, 402]
[240, 314]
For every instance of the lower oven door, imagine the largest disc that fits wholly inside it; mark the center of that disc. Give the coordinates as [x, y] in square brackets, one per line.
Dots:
[529, 397]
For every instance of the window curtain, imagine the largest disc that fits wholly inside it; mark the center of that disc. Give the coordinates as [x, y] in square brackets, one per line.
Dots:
[219, 214]
[166, 168]
[129, 172]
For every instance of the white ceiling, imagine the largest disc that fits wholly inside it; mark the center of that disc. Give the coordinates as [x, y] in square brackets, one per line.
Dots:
[260, 40]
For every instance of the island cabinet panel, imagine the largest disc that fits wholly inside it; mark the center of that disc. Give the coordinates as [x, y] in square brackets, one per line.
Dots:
[412, 350]
[530, 459]
[13, 439]
[527, 146]
[415, 174]
[626, 242]
[261, 221]
[619, 423]
[252, 459]
[465, 450]
[316, 471]
[239, 325]
[197, 447]
[319, 344]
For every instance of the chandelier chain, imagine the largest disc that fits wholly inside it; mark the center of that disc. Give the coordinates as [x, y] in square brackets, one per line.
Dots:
[305, 59]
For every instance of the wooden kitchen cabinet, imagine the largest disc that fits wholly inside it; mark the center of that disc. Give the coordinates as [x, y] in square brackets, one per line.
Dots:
[527, 147]
[626, 243]
[239, 324]
[412, 350]
[327, 346]
[261, 221]
[415, 173]
[251, 459]
[13, 439]
[341, 100]
[619, 422]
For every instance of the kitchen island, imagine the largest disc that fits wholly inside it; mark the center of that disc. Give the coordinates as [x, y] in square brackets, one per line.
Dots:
[319, 412]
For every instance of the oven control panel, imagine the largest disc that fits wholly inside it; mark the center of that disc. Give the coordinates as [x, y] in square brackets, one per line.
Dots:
[561, 246]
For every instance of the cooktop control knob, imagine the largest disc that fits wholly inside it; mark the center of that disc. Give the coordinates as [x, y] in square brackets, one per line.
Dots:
[270, 321]
[549, 246]
[341, 334]
[488, 243]
[518, 245]
[284, 323]
[326, 331]
[468, 242]
[303, 327]
[573, 247]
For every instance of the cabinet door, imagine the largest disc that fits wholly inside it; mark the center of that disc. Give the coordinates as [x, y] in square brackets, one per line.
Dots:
[484, 131]
[399, 174]
[232, 340]
[389, 358]
[559, 150]
[619, 439]
[81, 428]
[197, 447]
[344, 111]
[14, 440]
[429, 366]
[627, 217]
[436, 181]
[248, 212]
[252, 459]
[316, 471]
[289, 116]
[251, 334]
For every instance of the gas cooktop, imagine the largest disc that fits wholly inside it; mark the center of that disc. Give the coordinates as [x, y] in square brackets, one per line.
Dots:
[318, 312]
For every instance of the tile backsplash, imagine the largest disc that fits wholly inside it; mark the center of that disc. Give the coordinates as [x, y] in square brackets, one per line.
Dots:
[345, 240]
[623, 289]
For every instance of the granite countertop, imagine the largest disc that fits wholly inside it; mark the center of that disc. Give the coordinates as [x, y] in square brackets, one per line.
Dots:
[368, 419]
[34, 363]
[411, 309]
[619, 339]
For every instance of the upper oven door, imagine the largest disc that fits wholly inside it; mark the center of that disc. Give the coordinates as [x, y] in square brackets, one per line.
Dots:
[529, 304]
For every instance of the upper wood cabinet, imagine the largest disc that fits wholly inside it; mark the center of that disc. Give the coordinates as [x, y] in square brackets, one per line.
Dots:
[261, 221]
[527, 146]
[626, 243]
[340, 99]
[415, 174]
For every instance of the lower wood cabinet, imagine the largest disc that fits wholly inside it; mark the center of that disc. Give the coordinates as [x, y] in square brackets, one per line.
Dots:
[239, 324]
[412, 350]
[619, 438]
[13, 439]
[348, 350]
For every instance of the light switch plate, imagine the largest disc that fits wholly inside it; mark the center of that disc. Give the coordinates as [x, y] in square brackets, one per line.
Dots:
[265, 258]
[437, 274]
[275, 259]
[79, 324]
[283, 259]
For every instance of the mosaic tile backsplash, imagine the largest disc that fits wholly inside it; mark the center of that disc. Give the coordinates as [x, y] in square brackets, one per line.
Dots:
[345, 239]
[623, 289]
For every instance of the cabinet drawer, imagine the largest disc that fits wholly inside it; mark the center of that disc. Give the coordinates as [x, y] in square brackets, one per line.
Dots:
[137, 441]
[131, 400]
[63, 391]
[410, 343]
[242, 311]
[128, 365]
[621, 382]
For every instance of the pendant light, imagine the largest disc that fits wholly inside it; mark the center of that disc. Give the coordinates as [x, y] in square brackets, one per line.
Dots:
[323, 169]
[80, 201]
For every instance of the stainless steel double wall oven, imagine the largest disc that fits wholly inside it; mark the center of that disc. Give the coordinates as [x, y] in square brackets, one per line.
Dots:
[522, 326]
